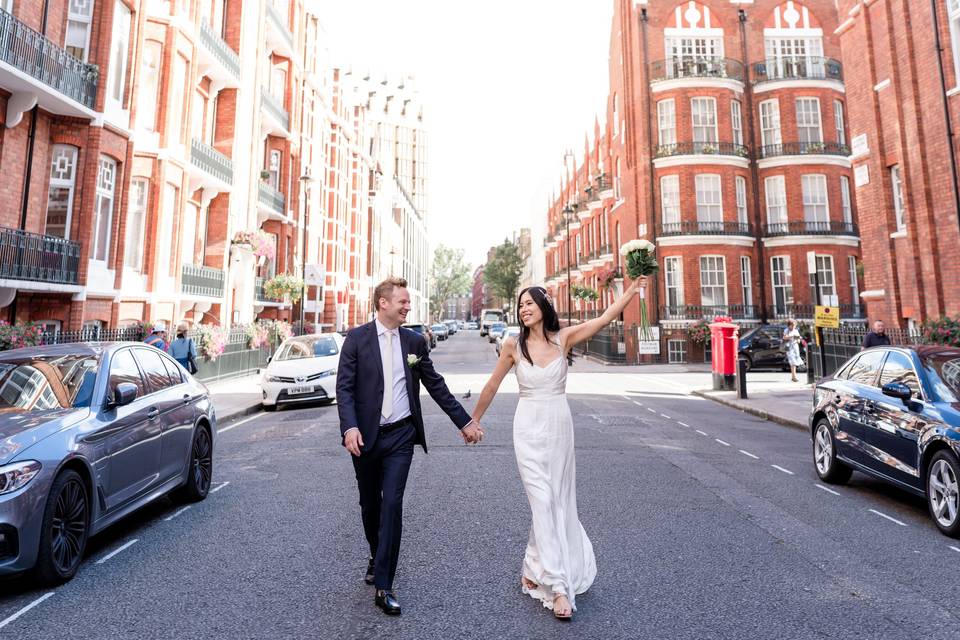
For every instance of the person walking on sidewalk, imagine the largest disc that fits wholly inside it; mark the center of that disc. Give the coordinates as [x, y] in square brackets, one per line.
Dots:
[876, 338]
[184, 350]
[792, 339]
[157, 337]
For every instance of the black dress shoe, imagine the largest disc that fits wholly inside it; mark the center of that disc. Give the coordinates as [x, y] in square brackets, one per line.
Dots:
[387, 602]
[369, 577]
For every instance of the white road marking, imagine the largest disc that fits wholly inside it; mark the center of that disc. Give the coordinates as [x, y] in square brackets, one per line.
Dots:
[116, 551]
[891, 519]
[955, 548]
[683, 424]
[217, 488]
[627, 398]
[749, 455]
[703, 433]
[663, 415]
[651, 410]
[779, 468]
[25, 609]
[175, 514]
[240, 422]
[726, 444]
[827, 489]
[639, 404]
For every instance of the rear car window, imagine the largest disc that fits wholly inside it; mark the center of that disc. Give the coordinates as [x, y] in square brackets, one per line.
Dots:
[153, 369]
[943, 373]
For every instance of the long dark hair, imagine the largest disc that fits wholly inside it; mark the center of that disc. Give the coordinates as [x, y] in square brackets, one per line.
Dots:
[551, 322]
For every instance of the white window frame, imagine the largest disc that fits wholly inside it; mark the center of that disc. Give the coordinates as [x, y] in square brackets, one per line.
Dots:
[781, 280]
[899, 205]
[703, 118]
[673, 281]
[809, 123]
[746, 284]
[838, 122]
[105, 197]
[58, 182]
[148, 92]
[677, 351]
[617, 184]
[667, 121]
[845, 202]
[770, 134]
[710, 267]
[709, 194]
[275, 158]
[136, 223]
[827, 275]
[953, 17]
[83, 23]
[816, 201]
[119, 54]
[741, 189]
[670, 202]
[736, 121]
[854, 284]
[775, 194]
[801, 54]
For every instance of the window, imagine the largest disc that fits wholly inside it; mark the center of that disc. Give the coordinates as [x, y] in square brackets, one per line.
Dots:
[153, 369]
[117, 74]
[704, 113]
[173, 371]
[188, 234]
[676, 351]
[770, 123]
[776, 194]
[278, 83]
[864, 370]
[827, 283]
[171, 204]
[845, 201]
[736, 121]
[854, 284]
[782, 284]
[179, 84]
[742, 220]
[136, 224]
[694, 56]
[79, 17]
[838, 122]
[816, 212]
[667, 117]
[899, 209]
[616, 182]
[709, 204]
[899, 368]
[123, 368]
[274, 168]
[616, 115]
[713, 282]
[103, 208]
[673, 281]
[808, 123]
[148, 91]
[63, 178]
[670, 203]
[746, 283]
[92, 329]
[49, 327]
[795, 57]
[953, 15]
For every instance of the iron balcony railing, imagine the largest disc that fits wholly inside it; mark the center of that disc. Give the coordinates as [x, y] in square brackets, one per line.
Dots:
[603, 183]
[211, 160]
[272, 199]
[791, 310]
[220, 49]
[273, 106]
[37, 56]
[700, 148]
[280, 23]
[40, 258]
[803, 149]
[704, 227]
[797, 68]
[259, 293]
[811, 228]
[696, 67]
[201, 281]
[708, 312]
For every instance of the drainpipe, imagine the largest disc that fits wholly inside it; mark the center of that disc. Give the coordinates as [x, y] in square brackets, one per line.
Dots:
[946, 109]
[651, 187]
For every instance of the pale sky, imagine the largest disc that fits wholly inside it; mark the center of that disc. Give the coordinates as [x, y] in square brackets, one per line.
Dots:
[508, 85]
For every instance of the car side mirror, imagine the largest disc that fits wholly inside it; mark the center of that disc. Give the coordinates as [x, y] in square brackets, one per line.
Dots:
[898, 390]
[123, 394]
[269, 358]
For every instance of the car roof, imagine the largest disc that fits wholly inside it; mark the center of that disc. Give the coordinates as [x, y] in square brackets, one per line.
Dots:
[94, 349]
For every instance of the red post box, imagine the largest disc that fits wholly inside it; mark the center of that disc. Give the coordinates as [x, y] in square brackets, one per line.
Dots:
[725, 347]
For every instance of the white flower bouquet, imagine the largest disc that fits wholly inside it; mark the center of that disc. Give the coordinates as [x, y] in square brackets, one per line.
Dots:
[640, 262]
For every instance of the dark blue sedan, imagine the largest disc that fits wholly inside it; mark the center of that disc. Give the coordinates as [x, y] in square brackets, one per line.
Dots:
[894, 413]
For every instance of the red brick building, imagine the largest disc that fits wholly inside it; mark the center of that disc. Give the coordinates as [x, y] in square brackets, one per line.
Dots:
[725, 144]
[904, 113]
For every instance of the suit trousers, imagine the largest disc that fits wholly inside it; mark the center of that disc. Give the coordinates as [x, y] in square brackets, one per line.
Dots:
[382, 478]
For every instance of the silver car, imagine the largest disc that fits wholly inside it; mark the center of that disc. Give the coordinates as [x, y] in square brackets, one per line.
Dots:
[88, 434]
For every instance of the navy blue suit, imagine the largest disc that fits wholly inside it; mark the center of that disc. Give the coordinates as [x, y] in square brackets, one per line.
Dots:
[384, 463]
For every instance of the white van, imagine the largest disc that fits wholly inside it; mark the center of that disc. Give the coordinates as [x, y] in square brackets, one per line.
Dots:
[488, 317]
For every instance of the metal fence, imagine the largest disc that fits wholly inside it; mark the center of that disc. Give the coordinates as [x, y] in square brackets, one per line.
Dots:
[608, 345]
[839, 345]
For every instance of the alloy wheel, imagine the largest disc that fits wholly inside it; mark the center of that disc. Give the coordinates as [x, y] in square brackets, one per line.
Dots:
[69, 526]
[823, 449]
[943, 493]
[202, 461]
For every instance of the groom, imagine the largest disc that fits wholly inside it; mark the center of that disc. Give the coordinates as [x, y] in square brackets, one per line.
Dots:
[378, 395]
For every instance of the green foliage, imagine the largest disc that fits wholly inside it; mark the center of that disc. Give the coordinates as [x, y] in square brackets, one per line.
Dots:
[284, 284]
[502, 273]
[14, 336]
[449, 276]
[584, 293]
[945, 331]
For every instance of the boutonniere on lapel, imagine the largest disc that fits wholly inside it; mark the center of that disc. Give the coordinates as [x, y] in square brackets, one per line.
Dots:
[412, 360]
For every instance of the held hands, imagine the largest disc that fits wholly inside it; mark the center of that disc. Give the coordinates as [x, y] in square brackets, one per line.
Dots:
[472, 433]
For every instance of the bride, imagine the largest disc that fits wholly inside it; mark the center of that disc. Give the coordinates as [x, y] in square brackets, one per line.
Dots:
[559, 561]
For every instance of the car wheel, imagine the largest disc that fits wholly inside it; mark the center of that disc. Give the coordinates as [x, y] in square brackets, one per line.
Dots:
[65, 528]
[201, 468]
[269, 407]
[825, 456]
[942, 490]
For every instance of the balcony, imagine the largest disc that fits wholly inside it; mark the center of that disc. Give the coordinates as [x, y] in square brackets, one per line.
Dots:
[217, 60]
[259, 294]
[804, 149]
[606, 252]
[811, 228]
[274, 118]
[797, 68]
[272, 204]
[279, 37]
[51, 262]
[704, 228]
[38, 72]
[696, 67]
[704, 312]
[795, 311]
[701, 148]
[201, 281]
[604, 186]
[209, 169]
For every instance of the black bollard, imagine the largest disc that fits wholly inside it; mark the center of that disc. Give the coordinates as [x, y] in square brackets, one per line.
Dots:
[742, 378]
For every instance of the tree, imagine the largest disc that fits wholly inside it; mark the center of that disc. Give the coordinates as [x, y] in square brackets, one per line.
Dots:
[449, 276]
[502, 273]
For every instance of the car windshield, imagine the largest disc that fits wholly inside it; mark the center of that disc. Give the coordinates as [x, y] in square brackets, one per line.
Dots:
[943, 373]
[301, 348]
[47, 383]
[492, 316]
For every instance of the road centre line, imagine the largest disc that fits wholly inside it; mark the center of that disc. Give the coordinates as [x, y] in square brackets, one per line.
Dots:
[663, 415]
[703, 433]
[827, 489]
[749, 455]
[955, 548]
[726, 444]
[214, 490]
[891, 519]
[639, 404]
[651, 410]
[19, 613]
[116, 551]
[779, 468]
[176, 513]
[683, 424]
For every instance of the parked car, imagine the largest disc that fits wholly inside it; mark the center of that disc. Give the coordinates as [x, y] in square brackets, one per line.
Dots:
[304, 369]
[441, 330]
[760, 347]
[472, 326]
[894, 414]
[452, 325]
[509, 332]
[89, 434]
[494, 330]
[423, 330]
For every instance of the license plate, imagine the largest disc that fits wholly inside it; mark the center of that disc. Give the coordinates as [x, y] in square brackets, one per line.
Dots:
[298, 390]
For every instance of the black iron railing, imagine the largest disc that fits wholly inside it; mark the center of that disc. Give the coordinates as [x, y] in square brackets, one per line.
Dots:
[275, 108]
[811, 228]
[40, 258]
[271, 198]
[839, 345]
[696, 67]
[201, 281]
[797, 68]
[607, 345]
[220, 49]
[37, 56]
[711, 228]
[804, 149]
[211, 160]
[700, 148]
[787, 311]
[708, 312]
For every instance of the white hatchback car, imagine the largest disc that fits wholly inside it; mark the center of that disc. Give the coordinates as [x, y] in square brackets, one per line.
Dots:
[304, 369]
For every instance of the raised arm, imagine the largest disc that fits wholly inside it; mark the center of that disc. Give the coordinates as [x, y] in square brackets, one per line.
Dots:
[577, 333]
[508, 355]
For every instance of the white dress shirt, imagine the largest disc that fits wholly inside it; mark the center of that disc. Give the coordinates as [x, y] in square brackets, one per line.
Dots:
[401, 401]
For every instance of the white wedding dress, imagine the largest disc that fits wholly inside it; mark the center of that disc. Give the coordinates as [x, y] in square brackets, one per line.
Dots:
[559, 557]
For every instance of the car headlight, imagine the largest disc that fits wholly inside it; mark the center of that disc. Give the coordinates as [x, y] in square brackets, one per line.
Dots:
[327, 374]
[17, 474]
[273, 379]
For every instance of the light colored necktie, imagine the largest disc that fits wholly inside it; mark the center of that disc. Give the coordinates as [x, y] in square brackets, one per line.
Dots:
[387, 409]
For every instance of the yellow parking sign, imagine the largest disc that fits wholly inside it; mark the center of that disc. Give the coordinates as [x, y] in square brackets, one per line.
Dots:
[827, 317]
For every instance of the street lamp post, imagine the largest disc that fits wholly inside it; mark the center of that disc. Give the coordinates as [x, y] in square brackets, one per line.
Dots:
[568, 212]
[305, 180]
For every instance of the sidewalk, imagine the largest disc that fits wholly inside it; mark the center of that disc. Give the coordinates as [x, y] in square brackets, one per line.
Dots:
[771, 396]
[235, 398]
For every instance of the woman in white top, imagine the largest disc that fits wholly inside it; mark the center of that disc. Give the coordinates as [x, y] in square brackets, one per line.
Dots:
[792, 338]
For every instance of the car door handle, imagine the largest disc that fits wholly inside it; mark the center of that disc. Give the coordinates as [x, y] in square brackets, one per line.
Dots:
[186, 398]
[153, 413]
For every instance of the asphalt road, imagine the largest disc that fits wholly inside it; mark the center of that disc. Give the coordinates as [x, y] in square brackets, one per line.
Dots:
[707, 523]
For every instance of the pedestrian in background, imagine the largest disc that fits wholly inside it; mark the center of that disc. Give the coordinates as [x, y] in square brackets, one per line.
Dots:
[792, 339]
[184, 350]
[158, 337]
[877, 337]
